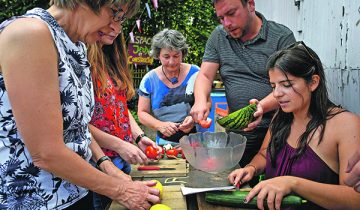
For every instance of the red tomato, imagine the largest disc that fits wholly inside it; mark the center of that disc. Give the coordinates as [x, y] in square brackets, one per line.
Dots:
[179, 150]
[162, 152]
[171, 153]
[211, 163]
[205, 123]
[151, 152]
[195, 144]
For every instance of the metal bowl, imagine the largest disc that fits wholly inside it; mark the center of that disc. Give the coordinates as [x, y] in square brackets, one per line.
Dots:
[213, 152]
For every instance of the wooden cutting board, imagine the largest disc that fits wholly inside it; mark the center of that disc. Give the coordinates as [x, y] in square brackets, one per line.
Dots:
[180, 165]
[172, 197]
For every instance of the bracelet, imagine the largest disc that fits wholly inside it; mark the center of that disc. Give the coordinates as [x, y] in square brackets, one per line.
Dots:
[251, 165]
[139, 137]
[102, 159]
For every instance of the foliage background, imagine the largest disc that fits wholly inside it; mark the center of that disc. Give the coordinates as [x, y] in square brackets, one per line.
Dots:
[194, 18]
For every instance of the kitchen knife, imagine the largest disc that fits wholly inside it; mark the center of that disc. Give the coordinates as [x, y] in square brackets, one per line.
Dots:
[152, 168]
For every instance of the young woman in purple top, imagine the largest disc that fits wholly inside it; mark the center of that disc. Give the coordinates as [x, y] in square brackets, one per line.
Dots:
[307, 147]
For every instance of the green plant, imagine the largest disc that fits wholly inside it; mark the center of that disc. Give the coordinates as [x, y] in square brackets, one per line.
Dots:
[134, 114]
[194, 18]
[11, 8]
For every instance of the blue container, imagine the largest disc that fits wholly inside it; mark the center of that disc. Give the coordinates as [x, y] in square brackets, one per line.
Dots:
[218, 99]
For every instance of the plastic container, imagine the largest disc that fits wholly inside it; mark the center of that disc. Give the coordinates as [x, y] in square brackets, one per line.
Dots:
[213, 152]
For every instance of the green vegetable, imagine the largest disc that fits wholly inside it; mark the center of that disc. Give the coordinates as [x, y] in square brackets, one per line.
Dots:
[238, 119]
[236, 198]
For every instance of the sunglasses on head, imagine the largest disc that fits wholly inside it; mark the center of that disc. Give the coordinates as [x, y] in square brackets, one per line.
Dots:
[306, 48]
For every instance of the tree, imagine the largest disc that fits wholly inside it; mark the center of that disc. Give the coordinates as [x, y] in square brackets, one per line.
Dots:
[194, 18]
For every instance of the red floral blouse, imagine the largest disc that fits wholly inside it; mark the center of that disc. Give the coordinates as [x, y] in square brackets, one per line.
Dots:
[111, 115]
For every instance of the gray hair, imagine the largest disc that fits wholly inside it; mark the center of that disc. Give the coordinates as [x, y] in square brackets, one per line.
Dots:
[95, 5]
[168, 39]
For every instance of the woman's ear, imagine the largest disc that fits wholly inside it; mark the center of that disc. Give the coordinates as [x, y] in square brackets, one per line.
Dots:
[315, 79]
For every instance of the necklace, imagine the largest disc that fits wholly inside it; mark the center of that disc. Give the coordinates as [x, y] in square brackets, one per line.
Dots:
[173, 80]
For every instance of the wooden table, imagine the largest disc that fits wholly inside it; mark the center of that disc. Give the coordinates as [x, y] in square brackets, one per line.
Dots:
[172, 180]
[172, 197]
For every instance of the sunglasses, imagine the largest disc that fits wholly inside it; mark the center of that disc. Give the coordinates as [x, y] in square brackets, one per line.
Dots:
[306, 48]
[119, 15]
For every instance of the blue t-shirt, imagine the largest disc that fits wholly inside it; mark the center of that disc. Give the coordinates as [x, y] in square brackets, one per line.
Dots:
[169, 104]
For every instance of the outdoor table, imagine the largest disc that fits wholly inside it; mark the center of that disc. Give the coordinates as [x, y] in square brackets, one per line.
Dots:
[172, 181]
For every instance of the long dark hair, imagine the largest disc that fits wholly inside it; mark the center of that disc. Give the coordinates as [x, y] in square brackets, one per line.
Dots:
[300, 61]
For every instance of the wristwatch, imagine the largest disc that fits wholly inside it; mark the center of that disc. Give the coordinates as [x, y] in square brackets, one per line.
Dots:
[139, 137]
[102, 159]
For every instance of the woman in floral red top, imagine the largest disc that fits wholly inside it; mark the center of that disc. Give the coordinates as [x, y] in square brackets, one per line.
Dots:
[112, 125]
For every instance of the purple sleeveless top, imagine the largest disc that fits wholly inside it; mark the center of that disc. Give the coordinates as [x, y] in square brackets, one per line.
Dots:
[309, 166]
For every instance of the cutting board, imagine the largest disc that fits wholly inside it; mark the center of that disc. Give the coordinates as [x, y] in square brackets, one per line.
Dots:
[180, 165]
[172, 197]
[201, 179]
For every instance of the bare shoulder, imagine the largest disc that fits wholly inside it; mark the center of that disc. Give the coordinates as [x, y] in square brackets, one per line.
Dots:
[344, 117]
[345, 123]
[23, 32]
[26, 42]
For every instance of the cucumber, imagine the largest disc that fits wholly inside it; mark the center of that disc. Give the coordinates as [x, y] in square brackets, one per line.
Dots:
[236, 198]
[238, 119]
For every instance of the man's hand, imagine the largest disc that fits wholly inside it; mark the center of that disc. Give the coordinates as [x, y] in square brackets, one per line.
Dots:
[353, 168]
[200, 111]
[257, 115]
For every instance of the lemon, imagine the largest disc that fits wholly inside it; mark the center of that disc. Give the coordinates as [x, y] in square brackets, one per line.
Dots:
[160, 207]
[159, 187]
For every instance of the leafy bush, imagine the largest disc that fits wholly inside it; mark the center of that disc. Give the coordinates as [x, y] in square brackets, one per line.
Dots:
[11, 8]
[194, 18]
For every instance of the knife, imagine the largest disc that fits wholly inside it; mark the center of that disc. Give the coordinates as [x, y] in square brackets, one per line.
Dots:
[152, 168]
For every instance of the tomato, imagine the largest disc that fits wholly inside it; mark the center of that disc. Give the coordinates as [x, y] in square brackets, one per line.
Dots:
[171, 153]
[160, 206]
[162, 152]
[195, 144]
[151, 152]
[179, 150]
[159, 187]
[211, 163]
[205, 123]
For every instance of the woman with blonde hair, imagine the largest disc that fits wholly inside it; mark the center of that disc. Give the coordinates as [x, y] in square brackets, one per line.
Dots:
[112, 124]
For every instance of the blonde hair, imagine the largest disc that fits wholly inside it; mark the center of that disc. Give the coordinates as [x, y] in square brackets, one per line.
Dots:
[95, 5]
[110, 62]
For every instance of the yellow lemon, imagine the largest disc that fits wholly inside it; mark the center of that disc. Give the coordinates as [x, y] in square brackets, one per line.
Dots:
[158, 186]
[160, 207]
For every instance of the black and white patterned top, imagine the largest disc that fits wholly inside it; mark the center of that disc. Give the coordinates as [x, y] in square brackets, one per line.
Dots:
[23, 185]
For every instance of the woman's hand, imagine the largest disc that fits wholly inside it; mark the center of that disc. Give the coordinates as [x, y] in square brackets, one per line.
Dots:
[138, 195]
[168, 128]
[145, 142]
[132, 154]
[187, 124]
[257, 115]
[241, 175]
[110, 169]
[271, 191]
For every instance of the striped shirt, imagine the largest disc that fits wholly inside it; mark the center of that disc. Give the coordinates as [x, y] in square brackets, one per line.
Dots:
[243, 65]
